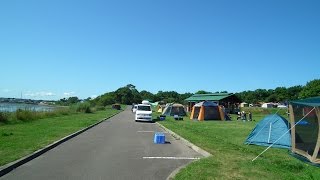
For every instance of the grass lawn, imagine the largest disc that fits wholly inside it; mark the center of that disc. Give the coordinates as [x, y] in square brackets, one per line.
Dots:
[231, 159]
[21, 139]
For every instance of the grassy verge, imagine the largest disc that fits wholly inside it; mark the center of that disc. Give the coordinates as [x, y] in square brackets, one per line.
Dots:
[231, 158]
[20, 139]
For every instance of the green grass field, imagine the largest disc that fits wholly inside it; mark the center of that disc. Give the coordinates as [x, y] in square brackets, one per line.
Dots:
[21, 139]
[231, 158]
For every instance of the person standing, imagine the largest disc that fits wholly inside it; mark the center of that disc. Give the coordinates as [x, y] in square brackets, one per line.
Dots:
[244, 116]
[250, 116]
[239, 115]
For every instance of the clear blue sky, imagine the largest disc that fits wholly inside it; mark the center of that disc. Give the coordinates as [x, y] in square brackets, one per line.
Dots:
[55, 49]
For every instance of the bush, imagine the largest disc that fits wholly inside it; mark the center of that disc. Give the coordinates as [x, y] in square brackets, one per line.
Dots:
[100, 108]
[63, 111]
[29, 115]
[84, 107]
[25, 115]
[4, 117]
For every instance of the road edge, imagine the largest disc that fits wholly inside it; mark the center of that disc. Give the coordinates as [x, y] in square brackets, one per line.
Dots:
[13, 165]
[186, 142]
[204, 153]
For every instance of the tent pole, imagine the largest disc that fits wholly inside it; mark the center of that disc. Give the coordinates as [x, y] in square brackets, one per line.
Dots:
[293, 129]
[316, 149]
[192, 113]
[201, 113]
[262, 128]
[221, 112]
[270, 126]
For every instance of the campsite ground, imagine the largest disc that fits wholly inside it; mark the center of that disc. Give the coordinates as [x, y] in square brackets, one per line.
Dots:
[231, 158]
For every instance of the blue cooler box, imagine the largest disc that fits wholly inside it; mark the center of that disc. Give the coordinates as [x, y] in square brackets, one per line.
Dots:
[159, 138]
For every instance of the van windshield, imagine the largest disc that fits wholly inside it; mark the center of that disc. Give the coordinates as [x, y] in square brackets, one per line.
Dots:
[144, 108]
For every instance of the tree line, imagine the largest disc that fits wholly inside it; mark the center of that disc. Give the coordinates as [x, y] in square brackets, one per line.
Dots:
[281, 94]
[129, 94]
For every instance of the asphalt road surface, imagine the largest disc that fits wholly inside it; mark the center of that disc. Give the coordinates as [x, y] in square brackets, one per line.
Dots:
[118, 148]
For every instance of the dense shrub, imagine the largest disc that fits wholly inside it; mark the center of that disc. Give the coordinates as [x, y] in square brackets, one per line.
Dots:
[62, 111]
[100, 108]
[83, 107]
[4, 117]
[26, 115]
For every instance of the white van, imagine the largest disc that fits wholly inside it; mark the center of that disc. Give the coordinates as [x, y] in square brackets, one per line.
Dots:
[143, 113]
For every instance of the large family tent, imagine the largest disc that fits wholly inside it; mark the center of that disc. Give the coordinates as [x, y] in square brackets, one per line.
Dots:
[174, 109]
[207, 110]
[269, 130]
[160, 108]
[305, 132]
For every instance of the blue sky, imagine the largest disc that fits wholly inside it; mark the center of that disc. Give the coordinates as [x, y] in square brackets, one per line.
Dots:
[62, 48]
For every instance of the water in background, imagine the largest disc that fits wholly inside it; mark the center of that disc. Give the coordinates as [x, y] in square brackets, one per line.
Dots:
[12, 107]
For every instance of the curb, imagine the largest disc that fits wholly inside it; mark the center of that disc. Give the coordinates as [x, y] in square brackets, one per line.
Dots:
[177, 170]
[186, 142]
[11, 166]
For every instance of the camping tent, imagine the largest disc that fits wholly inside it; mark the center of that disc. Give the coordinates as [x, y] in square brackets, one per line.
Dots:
[305, 132]
[267, 105]
[244, 104]
[207, 110]
[269, 130]
[174, 109]
[160, 108]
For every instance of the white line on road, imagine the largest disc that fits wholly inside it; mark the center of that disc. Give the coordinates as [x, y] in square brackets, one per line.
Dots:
[149, 132]
[175, 158]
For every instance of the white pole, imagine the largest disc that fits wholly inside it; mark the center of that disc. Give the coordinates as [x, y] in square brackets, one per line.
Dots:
[262, 128]
[270, 126]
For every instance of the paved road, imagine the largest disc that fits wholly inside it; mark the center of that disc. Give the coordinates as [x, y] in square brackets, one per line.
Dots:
[115, 149]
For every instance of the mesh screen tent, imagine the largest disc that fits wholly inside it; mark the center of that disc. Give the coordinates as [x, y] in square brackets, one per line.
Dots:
[207, 110]
[196, 111]
[305, 134]
[211, 113]
[174, 109]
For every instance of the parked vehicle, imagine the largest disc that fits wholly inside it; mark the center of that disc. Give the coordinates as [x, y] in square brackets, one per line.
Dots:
[135, 107]
[143, 112]
[116, 106]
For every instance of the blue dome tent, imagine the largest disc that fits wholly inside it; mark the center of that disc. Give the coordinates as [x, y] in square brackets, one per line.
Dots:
[269, 130]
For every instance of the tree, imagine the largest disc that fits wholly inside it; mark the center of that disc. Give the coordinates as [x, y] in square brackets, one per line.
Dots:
[147, 95]
[202, 92]
[136, 96]
[167, 96]
[261, 94]
[293, 92]
[311, 89]
[73, 100]
[105, 99]
[272, 98]
[124, 95]
[131, 86]
[184, 96]
[281, 94]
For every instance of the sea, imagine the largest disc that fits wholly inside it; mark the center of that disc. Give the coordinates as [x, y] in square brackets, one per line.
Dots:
[12, 107]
